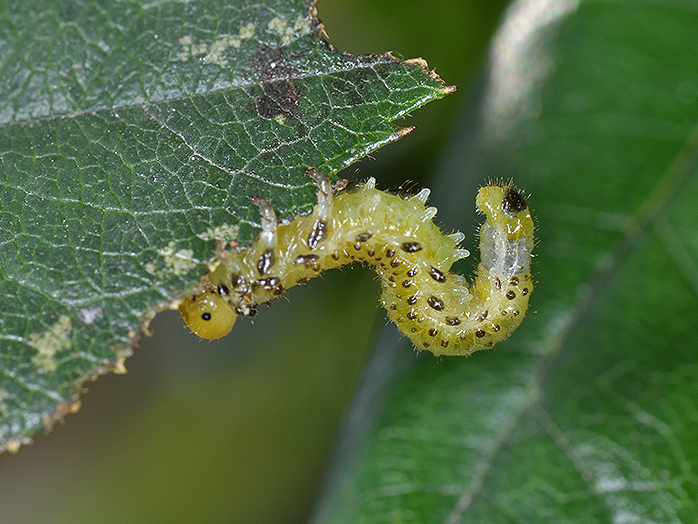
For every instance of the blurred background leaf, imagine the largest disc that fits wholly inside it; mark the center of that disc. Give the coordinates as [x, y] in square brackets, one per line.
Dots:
[589, 412]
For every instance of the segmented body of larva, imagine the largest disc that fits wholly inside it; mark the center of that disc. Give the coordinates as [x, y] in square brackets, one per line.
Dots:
[438, 310]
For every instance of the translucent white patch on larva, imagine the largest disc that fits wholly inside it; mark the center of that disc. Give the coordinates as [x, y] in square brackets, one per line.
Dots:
[50, 342]
[224, 233]
[90, 315]
[180, 261]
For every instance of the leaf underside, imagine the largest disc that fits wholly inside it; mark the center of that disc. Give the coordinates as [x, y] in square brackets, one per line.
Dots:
[127, 135]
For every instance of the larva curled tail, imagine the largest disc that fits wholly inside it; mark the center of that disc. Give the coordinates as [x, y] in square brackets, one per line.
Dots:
[438, 310]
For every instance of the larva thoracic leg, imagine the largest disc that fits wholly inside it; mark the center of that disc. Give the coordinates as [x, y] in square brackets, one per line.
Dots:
[438, 310]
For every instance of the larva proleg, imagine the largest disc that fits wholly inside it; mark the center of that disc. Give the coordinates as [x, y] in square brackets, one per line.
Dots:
[438, 310]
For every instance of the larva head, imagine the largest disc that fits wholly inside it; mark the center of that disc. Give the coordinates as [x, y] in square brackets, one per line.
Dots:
[208, 315]
[507, 207]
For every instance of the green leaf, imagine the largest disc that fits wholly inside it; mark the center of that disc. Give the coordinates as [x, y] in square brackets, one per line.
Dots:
[132, 138]
[588, 413]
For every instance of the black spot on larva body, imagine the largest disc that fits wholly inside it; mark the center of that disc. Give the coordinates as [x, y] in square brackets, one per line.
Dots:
[514, 281]
[371, 253]
[413, 330]
[411, 247]
[480, 333]
[266, 260]
[363, 237]
[412, 315]
[302, 280]
[435, 303]
[412, 272]
[246, 311]
[426, 344]
[309, 261]
[444, 343]
[357, 246]
[335, 256]
[205, 315]
[395, 262]
[490, 343]
[223, 290]
[483, 315]
[496, 327]
[452, 321]
[269, 284]
[513, 202]
[498, 283]
[394, 307]
[406, 283]
[412, 300]
[433, 332]
[238, 281]
[511, 295]
[317, 234]
[390, 253]
[436, 274]
[524, 291]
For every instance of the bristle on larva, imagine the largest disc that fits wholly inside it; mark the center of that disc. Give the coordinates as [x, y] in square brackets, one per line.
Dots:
[438, 310]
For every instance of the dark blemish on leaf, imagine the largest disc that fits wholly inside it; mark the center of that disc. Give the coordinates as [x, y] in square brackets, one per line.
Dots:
[280, 94]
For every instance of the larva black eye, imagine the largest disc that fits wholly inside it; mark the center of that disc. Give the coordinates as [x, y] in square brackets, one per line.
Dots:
[208, 315]
[513, 202]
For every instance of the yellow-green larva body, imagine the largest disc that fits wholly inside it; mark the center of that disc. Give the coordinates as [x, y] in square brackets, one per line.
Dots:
[438, 310]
